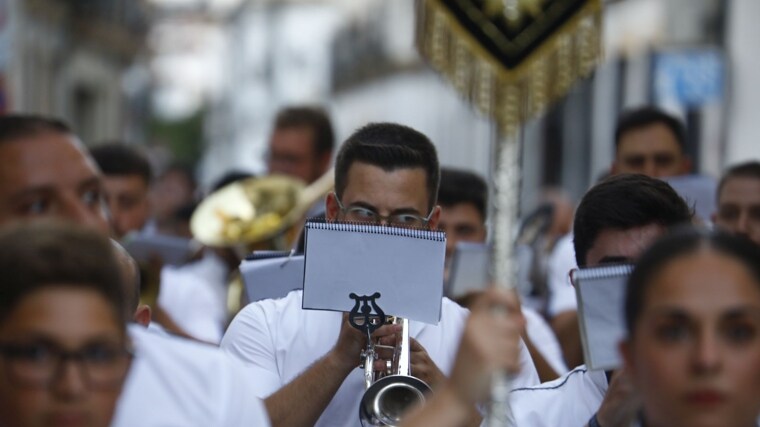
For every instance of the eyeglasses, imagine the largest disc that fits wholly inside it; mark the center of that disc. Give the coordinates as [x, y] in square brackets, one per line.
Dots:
[102, 366]
[360, 214]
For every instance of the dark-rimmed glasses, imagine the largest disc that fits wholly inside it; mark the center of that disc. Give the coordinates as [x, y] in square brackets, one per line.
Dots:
[102, 366]
[362, 214]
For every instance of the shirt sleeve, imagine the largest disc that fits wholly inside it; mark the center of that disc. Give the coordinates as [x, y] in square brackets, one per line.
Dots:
[250, 339]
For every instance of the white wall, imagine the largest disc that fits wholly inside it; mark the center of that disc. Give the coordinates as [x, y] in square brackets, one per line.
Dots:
[743, 115]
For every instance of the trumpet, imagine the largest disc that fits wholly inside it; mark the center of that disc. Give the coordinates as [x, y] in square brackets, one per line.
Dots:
[391, 392]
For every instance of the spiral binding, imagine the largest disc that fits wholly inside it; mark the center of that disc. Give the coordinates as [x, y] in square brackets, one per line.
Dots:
[360, 227]
[602, 272]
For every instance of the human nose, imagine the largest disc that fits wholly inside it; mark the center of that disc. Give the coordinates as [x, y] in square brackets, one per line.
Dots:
[742, 223]
[650, 168]
[706, 355]
[69, 382]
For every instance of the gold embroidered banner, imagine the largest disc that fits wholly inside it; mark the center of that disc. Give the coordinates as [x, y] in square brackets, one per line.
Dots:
[510, 58]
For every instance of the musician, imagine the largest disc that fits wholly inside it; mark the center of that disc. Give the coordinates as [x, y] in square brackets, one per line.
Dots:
[616, 220]
[64, 350]
[693, 321]
[739, 201]
[46, 173]
[463, 199]
[301, 144]
[648, 141]
[126, 182]
[385, 173]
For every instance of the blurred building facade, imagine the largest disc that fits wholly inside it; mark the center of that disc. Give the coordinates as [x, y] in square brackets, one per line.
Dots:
[75, 60]
[691, 57]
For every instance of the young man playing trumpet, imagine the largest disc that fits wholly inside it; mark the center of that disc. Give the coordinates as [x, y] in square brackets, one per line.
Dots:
[388, 174]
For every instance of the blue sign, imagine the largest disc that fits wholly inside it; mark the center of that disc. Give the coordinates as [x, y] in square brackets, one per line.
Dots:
[690, 78]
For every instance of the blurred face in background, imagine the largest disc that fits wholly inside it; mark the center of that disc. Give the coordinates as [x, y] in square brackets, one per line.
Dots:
[64, 359]
[127, 198]
[694, 353]
[739, 207]
[462, 222]
[172, 191]
[651, 150]
[292, 152]
[49, 175]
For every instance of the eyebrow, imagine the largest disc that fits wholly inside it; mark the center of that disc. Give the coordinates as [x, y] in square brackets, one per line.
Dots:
[733, 312]
[88, 182]
[615, 259]
[402, 210]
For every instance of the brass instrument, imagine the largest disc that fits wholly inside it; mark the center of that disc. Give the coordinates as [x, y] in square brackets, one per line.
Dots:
[390, 393]
[256, 213]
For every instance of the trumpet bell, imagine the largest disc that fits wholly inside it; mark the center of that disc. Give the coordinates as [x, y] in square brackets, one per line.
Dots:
[389, 398]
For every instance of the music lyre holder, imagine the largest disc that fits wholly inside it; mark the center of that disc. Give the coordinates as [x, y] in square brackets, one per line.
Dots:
[371, 317]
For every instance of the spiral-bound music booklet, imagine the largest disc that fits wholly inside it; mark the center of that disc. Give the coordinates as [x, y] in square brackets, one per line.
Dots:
[271, 274]
[405, 265]
[601, 299]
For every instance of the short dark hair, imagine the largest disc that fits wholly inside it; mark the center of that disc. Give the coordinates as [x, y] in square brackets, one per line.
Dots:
[389, 146]
[460, 186]
[680, 242]
[18, 126]
[313, 118]
[40, 254]
[623, 202]
[117, 159]
[749, 169]
[647, 116]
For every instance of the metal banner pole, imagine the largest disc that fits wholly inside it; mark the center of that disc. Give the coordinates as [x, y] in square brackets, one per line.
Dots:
[505, 196]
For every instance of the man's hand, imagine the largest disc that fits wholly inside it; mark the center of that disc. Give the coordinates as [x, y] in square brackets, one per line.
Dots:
[347, 350]
[620, 404]
[423, 366]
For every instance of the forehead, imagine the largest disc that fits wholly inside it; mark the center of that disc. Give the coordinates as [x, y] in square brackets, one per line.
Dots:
[401, 188]
[299, 138]
[125, 184]
[45, 159]
[627, 244]
[460, 213]
[705, 281]
[62, 312]
[648, 140]
[740, 189]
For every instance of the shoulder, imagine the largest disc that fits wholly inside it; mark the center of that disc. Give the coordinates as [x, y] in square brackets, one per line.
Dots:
[191, 382]
[567, 381]
[567, 401]
[450, 309]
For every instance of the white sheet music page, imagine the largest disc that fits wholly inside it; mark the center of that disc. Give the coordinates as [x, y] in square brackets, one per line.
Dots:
[601, 299]
[404, 265]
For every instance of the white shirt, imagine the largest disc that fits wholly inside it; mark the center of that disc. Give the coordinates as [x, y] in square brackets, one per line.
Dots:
[177, 382]
[568, 401]
[543, 338]
[195, 297]
[561, 291]
[280, 337]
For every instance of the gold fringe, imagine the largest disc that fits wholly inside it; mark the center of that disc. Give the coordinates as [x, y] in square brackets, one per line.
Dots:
[510, 96]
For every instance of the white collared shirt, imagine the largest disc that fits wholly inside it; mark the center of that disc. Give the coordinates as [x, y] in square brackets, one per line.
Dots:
[194, 295]
[568, 401]
[178, 382]
[280, 337]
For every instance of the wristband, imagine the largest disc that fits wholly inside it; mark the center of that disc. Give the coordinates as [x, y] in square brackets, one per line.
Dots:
[593, 422]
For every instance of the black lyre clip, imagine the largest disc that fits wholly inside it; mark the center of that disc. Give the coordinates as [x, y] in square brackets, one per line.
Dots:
[369, 315]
